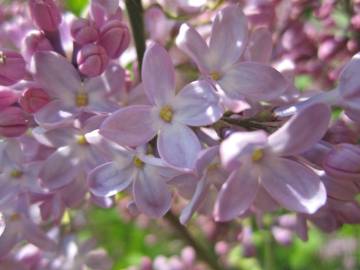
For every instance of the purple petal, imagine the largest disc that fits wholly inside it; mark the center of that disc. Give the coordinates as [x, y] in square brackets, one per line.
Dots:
[55, 74]
[178, 145]
[8, 238]
[151, 193]
[108, 179]
[240, 144]
[228, 37]
[260, 46]
[130, 126]
[301, 132]
[190, 42]
[59, 169]
[200, 195]
[37, 237]
[158, 75]
[54, 114]
[242, 80]
[197, 105]
[293, 185]
[236, 194]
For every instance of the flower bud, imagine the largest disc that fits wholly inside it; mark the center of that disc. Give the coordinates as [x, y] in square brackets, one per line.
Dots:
[45, 14]
[343, 161]
[103, 10]
[13, 122]
[12, 67]
[33, 99]
[114, 37]
[84, 31]
[92, 60]
[7, 97]
[36, 41]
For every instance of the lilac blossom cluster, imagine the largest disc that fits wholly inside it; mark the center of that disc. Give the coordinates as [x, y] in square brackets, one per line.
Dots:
[236, 140]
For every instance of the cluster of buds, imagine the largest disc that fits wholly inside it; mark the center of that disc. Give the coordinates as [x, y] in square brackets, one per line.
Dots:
[235, 139]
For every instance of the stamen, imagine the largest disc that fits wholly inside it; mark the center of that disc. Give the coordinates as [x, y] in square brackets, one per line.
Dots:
[215, 75]
[82, 99]
[166, 113]
[257, 155]
[16, 173]
[138, 162]
[2, 58]
[81, 139]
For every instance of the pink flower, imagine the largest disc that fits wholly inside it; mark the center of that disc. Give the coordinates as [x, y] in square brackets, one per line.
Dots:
[147, 175]
[70, 94]
[169, 114]
[12, 67]
[257, 160]
[219, 60]
[92, 60]
[45, 14]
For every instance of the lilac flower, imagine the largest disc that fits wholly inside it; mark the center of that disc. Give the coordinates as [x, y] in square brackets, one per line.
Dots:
[219, 60]
[70, 94]
[168, 116]
[19, 226]
[257, 160]
[146, 174]
[203, 183]
[78, 150]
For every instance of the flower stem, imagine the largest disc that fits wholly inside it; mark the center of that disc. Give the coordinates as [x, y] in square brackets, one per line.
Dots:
[206, 255]
[135, 12]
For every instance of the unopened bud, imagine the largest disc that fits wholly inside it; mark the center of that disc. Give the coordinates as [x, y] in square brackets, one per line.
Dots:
[13, 122]
[114, 37]
[12, 67]
[33, 99]
[92, 60]
[45, 14]
[84, 31]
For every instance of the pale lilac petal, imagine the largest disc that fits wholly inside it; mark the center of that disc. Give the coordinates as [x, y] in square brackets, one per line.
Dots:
[264, 202]
[178, 145]
[190, 42]
[237, 194]
[108, 179]
[158, 75]
[254, 81]
[293, 185]
[54, 114]
[74, 193]
[130, 126]
[200, 195]
[228, 37]
[302, 131]
[37, 237]
[240, 144]
[56, 137]
[59, 169]
[8, 239]
[349, 81]
[206, 157]
[55, 74]
[151, 193]
[260, 46]
[197, 105]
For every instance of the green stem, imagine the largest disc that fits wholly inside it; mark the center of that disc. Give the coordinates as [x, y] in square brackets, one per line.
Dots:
[135, 12]
[206, 255]
[268, 256]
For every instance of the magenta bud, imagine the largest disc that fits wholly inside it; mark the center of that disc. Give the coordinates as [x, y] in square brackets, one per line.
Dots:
[13, 122]
[355, 22]
[12, 67]
[45, 14]
[84, 31]
[33, 99]
[114, 37]
[343, 162]
[34, 42]
[329, 48]
[8, 97]
[92, 60]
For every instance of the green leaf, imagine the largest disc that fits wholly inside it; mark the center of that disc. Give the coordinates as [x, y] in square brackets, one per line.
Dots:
[76, 6]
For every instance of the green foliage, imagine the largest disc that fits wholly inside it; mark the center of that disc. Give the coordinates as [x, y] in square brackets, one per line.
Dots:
[76, 6]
